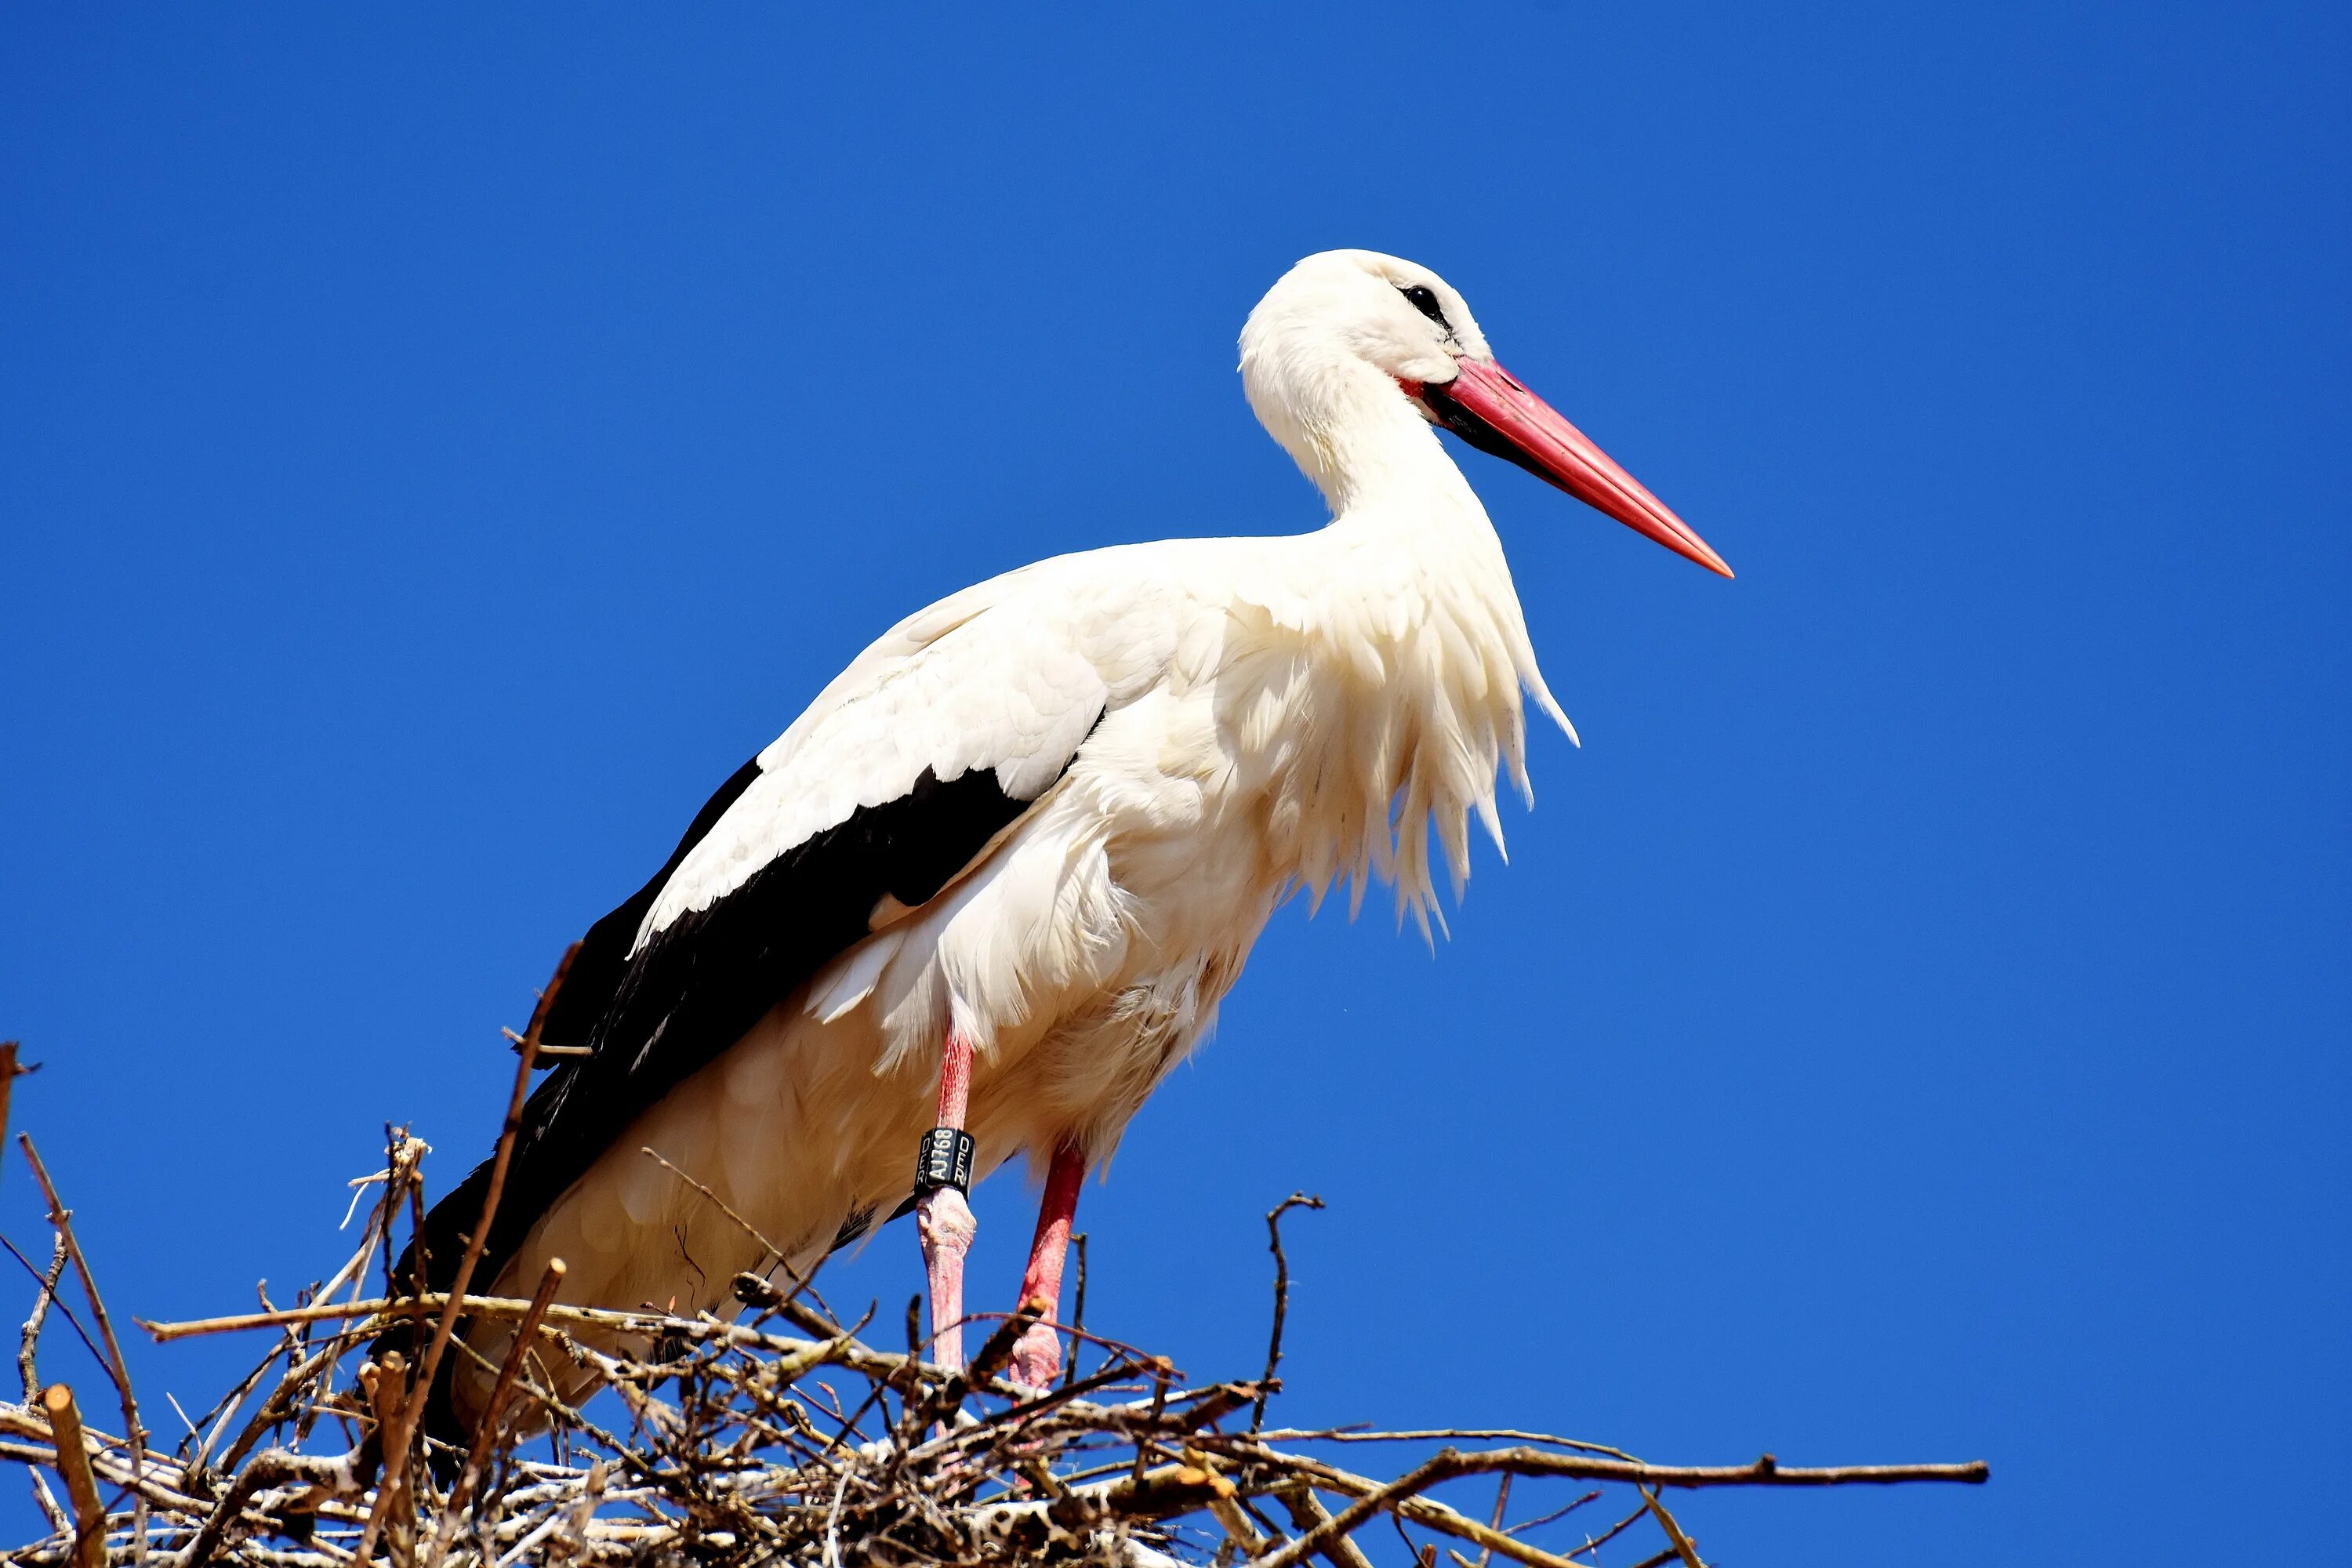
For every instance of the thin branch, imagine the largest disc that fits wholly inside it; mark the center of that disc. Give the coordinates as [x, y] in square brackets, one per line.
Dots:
[9, 1073]
[767, 1249]
[1444, 1433]
[60, 1521]
[1078, 1313]
[117, 1369]
[1502, 1506]
[1558, 1513]
[546, 1003]
[61, 1218]
[1281, 1296]
[487, 1431]
[1682, 1543]
[1593, 1543]
[29, 1342]
[396, 1462]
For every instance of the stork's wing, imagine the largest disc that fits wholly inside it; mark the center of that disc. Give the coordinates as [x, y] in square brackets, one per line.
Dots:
[594, 977]
[902, 773]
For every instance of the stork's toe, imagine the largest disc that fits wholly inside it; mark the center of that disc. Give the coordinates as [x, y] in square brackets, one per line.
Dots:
[1036, 1357]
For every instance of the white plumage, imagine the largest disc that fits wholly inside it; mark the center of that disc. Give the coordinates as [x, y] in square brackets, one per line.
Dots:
[1200, 728]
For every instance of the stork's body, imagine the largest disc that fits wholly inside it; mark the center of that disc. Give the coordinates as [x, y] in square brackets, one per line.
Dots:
[1051, 814]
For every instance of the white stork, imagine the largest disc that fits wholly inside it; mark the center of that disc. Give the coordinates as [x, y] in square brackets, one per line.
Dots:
[989, 888]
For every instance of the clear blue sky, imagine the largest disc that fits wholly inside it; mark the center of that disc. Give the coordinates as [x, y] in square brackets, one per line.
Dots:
[436, 449]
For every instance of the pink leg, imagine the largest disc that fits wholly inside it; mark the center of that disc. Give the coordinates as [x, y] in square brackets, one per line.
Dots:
[944, 1219]
[1038, 1357]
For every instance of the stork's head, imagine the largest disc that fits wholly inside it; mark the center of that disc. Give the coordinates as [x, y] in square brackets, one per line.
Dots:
[1348, 341]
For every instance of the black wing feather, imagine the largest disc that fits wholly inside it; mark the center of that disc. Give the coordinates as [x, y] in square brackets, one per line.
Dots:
[595, 977]
[694, 989]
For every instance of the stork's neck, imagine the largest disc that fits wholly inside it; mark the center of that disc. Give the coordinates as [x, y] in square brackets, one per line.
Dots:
[1419, 645]
[1376, 459]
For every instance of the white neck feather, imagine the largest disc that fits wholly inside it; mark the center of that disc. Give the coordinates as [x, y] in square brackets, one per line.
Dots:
[1413, 616]
[1352, 430]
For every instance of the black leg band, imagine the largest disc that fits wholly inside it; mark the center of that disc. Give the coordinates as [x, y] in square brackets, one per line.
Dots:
[944, 1159]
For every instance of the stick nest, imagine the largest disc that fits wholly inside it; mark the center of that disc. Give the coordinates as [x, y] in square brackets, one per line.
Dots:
[779, 1436]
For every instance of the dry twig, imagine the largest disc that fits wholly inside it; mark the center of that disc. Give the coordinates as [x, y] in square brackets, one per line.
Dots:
[73, 1468]
[61, 1221]
[1281, 1296]
[396, 1463]
[28, 1343]
[9, 1072]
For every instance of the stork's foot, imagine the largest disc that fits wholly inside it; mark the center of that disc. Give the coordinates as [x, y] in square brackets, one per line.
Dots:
[1038, 1354]
[945, 1222]
[1036, 1357]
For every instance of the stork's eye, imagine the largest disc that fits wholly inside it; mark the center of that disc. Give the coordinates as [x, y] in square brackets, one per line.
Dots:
[1422, 300]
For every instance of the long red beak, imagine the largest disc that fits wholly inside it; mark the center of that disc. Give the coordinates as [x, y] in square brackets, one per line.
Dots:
[1486, 406]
